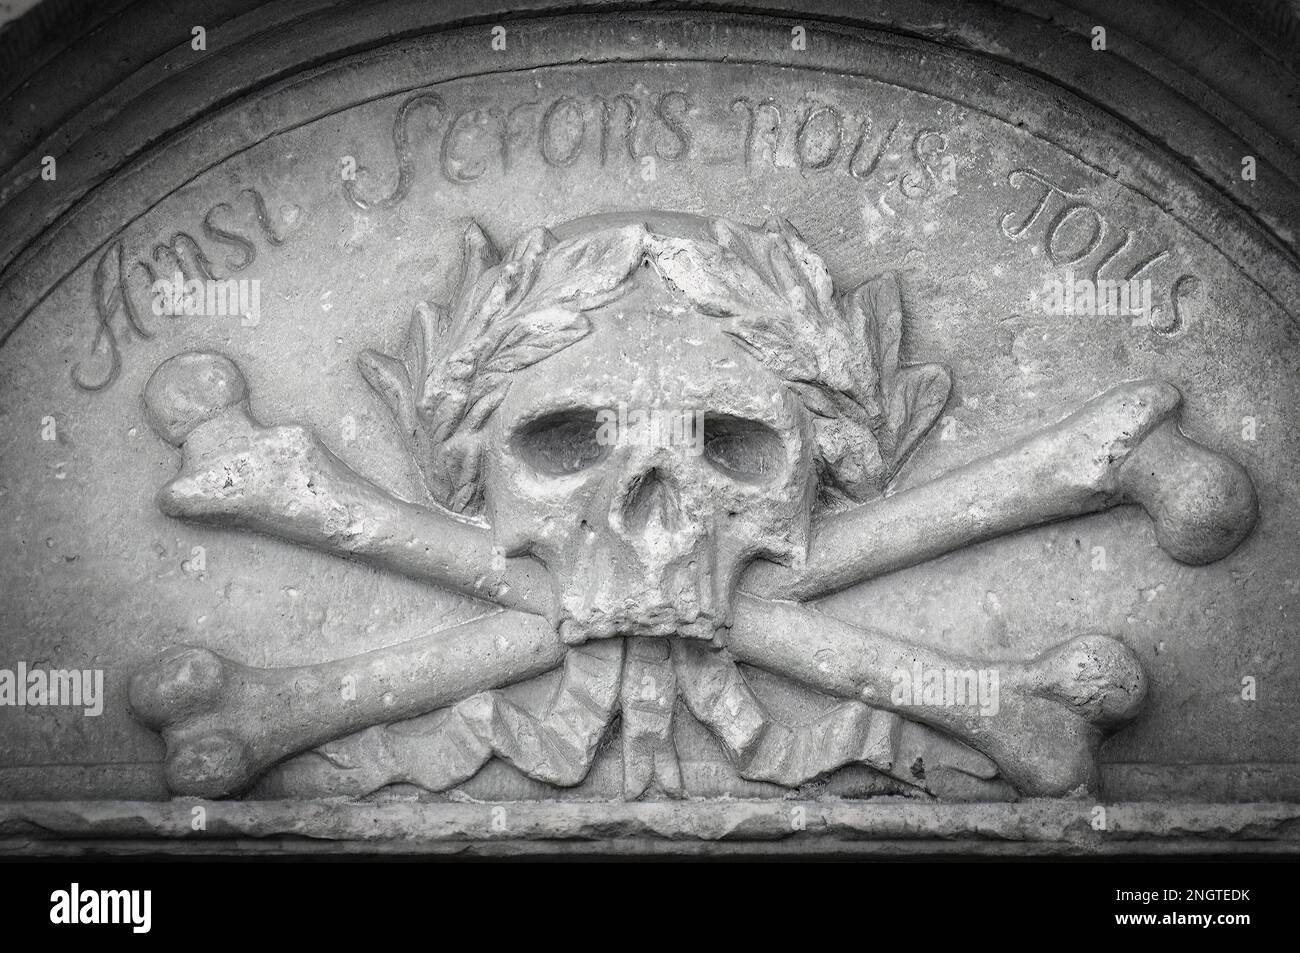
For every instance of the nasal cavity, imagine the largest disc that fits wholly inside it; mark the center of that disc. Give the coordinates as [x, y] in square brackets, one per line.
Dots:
[651, 503]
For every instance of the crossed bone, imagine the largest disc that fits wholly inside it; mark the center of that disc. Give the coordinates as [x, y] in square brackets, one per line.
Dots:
[225, 723]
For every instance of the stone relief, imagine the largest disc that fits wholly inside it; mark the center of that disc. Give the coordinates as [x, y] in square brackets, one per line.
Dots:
[650, 442]
[836, 430]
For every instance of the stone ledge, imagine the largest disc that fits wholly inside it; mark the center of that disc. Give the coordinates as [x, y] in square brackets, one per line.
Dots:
[899, 828]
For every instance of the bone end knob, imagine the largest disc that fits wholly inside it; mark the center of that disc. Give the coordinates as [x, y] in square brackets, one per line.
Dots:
[176, 695]
[190, 389]
[183, 682]
[1203, 503]
[1099, 677]
[213, 765]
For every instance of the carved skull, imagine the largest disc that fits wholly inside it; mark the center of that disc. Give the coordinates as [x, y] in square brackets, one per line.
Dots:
[647, 402]
[646, 466]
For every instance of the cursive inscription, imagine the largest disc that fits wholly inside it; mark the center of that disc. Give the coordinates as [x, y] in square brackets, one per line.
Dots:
[121, 287]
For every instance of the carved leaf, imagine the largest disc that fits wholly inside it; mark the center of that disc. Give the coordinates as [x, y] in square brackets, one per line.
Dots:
[920, 394]
[539, 335]
[424, 336]
[876, 312]
[478, 412]
[790, 356]
[586, 271]
[805, 267]
[387, 376]
[815, 399]
[478, 254]
[718, 281]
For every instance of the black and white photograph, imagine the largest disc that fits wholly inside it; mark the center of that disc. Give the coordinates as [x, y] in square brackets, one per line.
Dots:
[768, 432]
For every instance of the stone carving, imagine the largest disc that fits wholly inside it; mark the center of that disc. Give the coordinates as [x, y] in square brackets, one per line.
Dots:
[120, 285]
[648, 570]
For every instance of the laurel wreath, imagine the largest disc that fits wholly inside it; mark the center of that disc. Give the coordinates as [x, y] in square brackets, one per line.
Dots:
[771, 293]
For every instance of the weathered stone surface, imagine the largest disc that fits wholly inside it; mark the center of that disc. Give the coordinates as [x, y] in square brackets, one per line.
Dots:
[640, 408]
[827, 827]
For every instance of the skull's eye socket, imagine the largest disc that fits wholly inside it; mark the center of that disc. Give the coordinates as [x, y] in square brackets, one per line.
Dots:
[742, 449]
[562, 443]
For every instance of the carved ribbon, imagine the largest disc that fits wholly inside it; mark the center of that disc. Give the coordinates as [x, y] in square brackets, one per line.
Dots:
[448, 748]
[764, 749]
[443, 750]
[649, 696]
